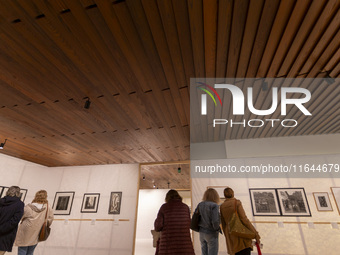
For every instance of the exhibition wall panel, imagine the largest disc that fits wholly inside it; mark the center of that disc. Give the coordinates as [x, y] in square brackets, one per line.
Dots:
[315, 234]
[81, 233]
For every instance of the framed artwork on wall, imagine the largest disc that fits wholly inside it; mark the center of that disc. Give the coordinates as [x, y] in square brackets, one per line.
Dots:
[62, 203]
[90, 203]
[1, 191]
[4, 191]
[115, 202]
[293, 202]
[336, 195]
[323, 204]
[264, 202]
[23, 193]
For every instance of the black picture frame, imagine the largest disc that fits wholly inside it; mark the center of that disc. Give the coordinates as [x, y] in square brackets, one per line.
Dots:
[115, 202]
[264, 202]
[62, 204]
[3, 190]
[293, 202]
[23, 193]
[90, 203]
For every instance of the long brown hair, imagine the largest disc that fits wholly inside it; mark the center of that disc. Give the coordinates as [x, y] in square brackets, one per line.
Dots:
[172, 194]
[40, 197]
[211, 195]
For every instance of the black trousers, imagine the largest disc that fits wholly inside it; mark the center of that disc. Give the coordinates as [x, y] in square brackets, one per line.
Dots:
[246, 251]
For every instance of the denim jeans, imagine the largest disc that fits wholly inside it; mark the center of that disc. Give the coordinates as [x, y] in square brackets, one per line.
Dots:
[209, 243]
[26, 250]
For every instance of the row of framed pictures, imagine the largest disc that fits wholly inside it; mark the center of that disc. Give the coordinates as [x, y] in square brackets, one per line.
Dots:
[63, 201]
[289, 201]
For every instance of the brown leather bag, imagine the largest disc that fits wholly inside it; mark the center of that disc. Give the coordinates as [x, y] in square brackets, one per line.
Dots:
[236, 227]
[45, 229]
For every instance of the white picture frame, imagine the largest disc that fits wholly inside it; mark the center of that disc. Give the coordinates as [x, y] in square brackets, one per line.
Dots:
[62, 203]
[323, 204]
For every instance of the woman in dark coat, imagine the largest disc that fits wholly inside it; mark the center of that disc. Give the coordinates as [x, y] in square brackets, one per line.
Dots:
[11, 211]
[173, 220]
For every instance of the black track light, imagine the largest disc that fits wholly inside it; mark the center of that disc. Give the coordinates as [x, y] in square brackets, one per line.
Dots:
[2, 145]
[87, 103]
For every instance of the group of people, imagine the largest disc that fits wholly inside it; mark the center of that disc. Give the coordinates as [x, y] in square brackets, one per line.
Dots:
[19, 224]
[173, 221]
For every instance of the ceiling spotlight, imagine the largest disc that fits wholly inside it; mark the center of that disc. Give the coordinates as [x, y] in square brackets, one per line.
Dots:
[2, 144]
[87, 103]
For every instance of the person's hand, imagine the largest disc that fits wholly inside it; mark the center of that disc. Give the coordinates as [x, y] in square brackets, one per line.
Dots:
[258, 241]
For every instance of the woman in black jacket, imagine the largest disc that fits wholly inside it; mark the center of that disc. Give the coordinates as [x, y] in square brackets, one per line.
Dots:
[11, 211]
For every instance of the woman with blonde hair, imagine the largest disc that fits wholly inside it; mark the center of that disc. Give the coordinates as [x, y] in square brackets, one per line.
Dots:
[31, 223]
[210, 222]
[236, 245]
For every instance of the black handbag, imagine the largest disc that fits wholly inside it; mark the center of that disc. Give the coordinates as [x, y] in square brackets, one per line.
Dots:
[196, 217]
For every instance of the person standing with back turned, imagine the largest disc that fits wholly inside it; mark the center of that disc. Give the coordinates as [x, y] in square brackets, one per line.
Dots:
[11, 211]
[210, 222]
[173, 220]
[31, 223]
[236, 245]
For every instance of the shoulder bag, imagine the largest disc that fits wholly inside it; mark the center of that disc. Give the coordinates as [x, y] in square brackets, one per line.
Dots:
[45, 229]
[236, 227]
[196, 217]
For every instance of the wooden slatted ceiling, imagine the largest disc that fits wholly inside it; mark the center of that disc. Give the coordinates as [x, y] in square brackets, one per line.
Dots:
[134, 60]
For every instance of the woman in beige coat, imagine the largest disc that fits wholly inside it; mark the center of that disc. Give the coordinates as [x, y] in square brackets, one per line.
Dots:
[31, 223]
[236, 245]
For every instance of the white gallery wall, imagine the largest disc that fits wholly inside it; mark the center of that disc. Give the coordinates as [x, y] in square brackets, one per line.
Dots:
[78, 233]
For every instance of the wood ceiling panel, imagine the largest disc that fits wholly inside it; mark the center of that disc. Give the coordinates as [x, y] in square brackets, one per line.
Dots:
[263, 32]
[223, 35]
[290, 29]
[134, 61]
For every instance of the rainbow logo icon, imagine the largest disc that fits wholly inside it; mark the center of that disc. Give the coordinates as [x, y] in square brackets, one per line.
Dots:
[208, 92]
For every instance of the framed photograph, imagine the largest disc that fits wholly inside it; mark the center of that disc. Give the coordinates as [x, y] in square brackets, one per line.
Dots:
[323, 204]
[90, 203]
[336, 195]
[264, 202]
[293, 202]
[4, 191]
[115, 202]
[23, 193]
[62, 203]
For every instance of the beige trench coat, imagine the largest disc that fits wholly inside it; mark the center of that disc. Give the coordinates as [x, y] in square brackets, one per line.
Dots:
[31, 223]
[235, 244]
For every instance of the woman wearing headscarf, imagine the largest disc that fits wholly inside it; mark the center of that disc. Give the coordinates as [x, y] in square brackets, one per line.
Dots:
[173, 220]
[236, 245]
[31, 223]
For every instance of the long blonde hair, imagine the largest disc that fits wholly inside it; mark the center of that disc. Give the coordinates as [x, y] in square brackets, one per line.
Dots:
[40, 197]
[211, 195]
